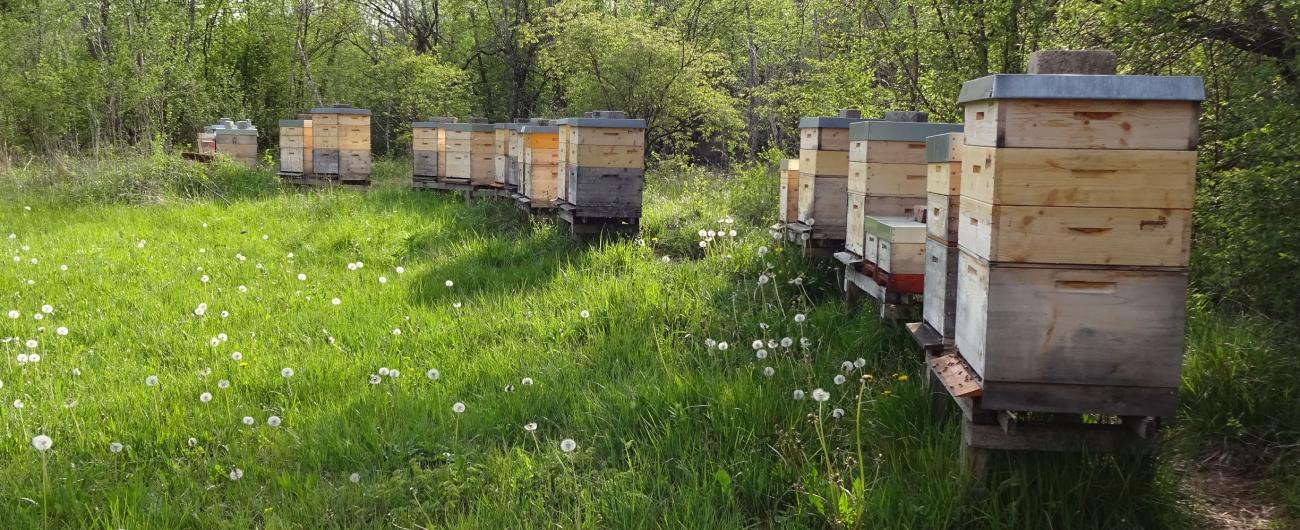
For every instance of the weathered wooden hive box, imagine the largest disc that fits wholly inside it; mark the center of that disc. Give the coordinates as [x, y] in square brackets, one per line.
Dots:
[943, 192]
[887, 170]
[237, 140]
[896, 245]
[295, 146]
[515, 149]
[539, 179]
[470, 151]
[823, 173]
[603, 159]
[789, 201]
[427, 144]
[1074, 226]
[341, 142]
[500, 148]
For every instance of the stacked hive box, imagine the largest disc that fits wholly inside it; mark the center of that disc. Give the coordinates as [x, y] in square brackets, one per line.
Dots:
[236, 140]
[470, 150]
[895, 246]
[427, 144]
[500, 150]
[823, 173]
[515, 150]
[540, 177]
[789, 203]
[1075, 223]
[887, 179]
[602, 157]
[206, 142]
[341, 142]
[295, 146]
[943, 193]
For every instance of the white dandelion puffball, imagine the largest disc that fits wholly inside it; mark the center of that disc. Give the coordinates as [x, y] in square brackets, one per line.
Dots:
[47, 309]
[38, 316]
[798, 394]
[667, 259]
[399, 270]
[710, 343]
[243, 288]
[205, 397]
[223, 337]
[839, 379]
[23, 358]
[76, 372]
[214, 342]
[236, 356]
[787, 342]
[800, 317]
[731, 233]
[32, 344]
[382, 280]
[433, 374]
[527, 381]
[355, 477]
[236, 474]
[383, 371]
[761, 354]
[773, 343]
[42, 443]
[820, 395]
[455, 305]
[265, 237]
[704, 244]
[225, 314]
[859, 363]
[115, 447]
[392, 374]
[448, 283]
[762, 251]
[249, 421]
[205, 372]
[273, 421]
[703, 233]
[35, 357]
[360, 265]
[336, 301]
[140, 244]
[530, 426]
[199, 311]
[192, 442]
[722, 346]
[13, 313]
[352, 266]
[302, 277]
[18, 403]
[286, 372]
[837, 413]
[757, 345]
[847, 366]
[584, 313]
[223, 384]
[769, 371]
[568, 445]
[151, 380]
[458, 407]
[397, 331]
[805, 342]
[375, 379]
[203, 278]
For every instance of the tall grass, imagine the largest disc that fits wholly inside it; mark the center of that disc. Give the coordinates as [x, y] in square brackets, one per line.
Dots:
[673, 431]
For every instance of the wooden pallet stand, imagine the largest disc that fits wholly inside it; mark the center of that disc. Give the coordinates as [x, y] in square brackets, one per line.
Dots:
[893, 300]
[320, 180]
[812, 243]
[598, 225]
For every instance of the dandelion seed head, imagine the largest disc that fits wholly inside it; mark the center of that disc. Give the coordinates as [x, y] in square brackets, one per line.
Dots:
[584, 313]
[859, 362]
[18, 404]
[192, 442]
[568, 445]
[798, 394]
[839, 379]
[236, 474]
[205, 397]
[336, 301]
[760, 354]
[249, 421]
[203, 278]
[76, 372]
[13, 314]
[805, 342]
[710, 343]
[399, 270]
[837, 413]
[62, 331]
[800, 317]
[722, 346]
[286, 372]
[273, 421]
[47, 309]
[382, 280]
[115, 447]
[769, 371]
[32, 344]
[151, 380]
[243, 288]
[302, 277]
[847, 366]
[35, 357]
[787, 342]
[397, 331]
[820, 395]
[394, 373]
[448, 283]
[383, 370]
[530, 426]
[42, 443]
[375, 379]
[527, 381]
[458, 407]
[223, 384]
[236, 356]
[433, 374]
[355, 477]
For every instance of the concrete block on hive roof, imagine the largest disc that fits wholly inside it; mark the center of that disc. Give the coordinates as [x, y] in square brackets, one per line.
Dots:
[850, 113]
[608, 114]
[1085, 62]
[907, 115]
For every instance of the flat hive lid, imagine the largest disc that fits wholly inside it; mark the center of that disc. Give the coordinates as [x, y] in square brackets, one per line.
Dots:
[539, 129]
[340, 110]
[235, 132]
[607, 123]
[295, 123]
[895, 229]
[899, 131]
[829, 122]
[938, 148]
[1082, 86]
[433, 123]
[469, 127]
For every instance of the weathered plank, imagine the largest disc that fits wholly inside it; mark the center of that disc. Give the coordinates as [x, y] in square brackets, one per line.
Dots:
[823, 202]
[903, 180]
[1080, 177]
[941, 217]
[887, 152]
[944, 178]
[824, 139]
[939, 302]
[824, 163]
[1091, 124]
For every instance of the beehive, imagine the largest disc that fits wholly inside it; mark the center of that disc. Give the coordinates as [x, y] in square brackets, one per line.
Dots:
[789, 201]
[539, 178]
[887, 170]
[823, 173]
[602, 159]
[295, 146]
[896, 245]
[500, 148]
[1073, 228]
[943, 194]
[427, 144]
[515, 149]
[470, 149]
[341, 142]
[236, 140]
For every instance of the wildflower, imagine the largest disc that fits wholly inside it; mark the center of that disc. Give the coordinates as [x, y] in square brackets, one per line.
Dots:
[32, 344]
[769, 371]
[772, 343]
[205, 372]
[243, 288]
[847, 366]
[761, 354]
[902, 378]
[805, 342]
[382, 280]
[399, 270]
[510, 388]
[568, 445]
[820, 395]
[236, 474]
[527, 381]
[115, 447]
[722, 346]
[140, 244]
[205, 397]
[859, 363]
[223, 337]
[458, 407]
[151, 380]
[18, 404]
[273, 421]
[76, 372]
[433, 374]
[236, 356]
[837, 413]
[355, 477]
[249, 421]
[530, 426]
[22, 358]
[710, 343]
[336, 301]
[383, 371]
[352, 266]
[63, 268]
[302, 277]
[13, 313]
[584, 314]
[47, 309]
[397, 331]
[786, 342]
[38, 316]
[42, 443]
[225, 314]
[223, 384]
[762, 251]
[375, 379]
[800, 317]
[763, 279]
[214, 342]
[192, 442]
[448, 283]
[35, 357]
[286, 372]
[798, 395]
[732, 233]
[667, 259]
[704, 244]
[839, 379]
[455, 305]
[392, 374]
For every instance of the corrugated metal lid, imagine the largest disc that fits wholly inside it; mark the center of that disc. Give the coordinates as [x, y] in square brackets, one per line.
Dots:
[899, 131]
[1079, 86]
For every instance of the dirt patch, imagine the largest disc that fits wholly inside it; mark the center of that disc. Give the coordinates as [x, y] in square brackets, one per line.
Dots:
[1228, 497]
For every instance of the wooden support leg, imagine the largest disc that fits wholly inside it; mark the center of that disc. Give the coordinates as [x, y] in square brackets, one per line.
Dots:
[975, 461]
[852, 294]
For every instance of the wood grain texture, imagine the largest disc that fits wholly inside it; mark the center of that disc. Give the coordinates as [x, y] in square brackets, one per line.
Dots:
[1066, 325]
[318, 119]
[941, 217]
[424, 133]
[1068, 235]
[902, 180]
[1119, 400]
[613, 192]
[424, 163]
[291, 159]
[353, 119]
[1080, 177]
[944, 178]
[829, 139]
[891, 206]
[611, 156]
[1089, 124]
[939, 302]
[823, 202]
[354, 163]
[606, 136]
[887, 152]
[902, 258]
[855, 234]
[824, 163]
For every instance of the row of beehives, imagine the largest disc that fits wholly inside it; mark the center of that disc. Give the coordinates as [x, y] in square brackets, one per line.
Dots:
[1055, 235]
[235, 139]
[331, 142]
[596, 162]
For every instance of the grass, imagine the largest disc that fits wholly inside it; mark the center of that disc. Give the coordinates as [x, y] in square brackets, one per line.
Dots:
[670, 432]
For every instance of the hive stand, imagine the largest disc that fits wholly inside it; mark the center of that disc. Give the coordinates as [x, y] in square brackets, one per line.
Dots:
[861, 278]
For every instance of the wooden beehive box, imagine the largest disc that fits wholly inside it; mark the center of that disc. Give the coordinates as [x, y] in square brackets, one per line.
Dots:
[470, 148]
[603, 159]
[237, 141]
[943, 153]
[500, 148]
[1074, 227]
[900, 244]
[295, 146]
[887, 170]
[425, 147]
[341, 142]
[788, 205]
[822, 198]
[539, 179]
